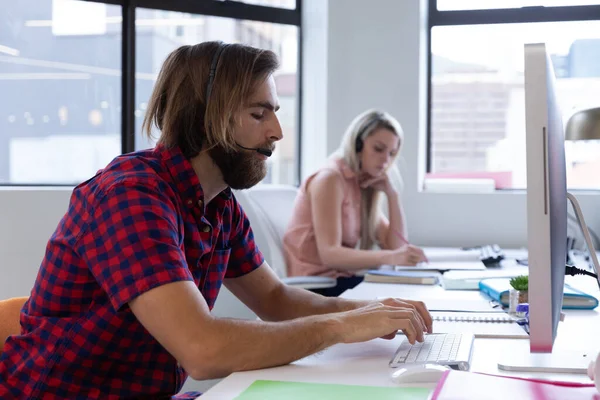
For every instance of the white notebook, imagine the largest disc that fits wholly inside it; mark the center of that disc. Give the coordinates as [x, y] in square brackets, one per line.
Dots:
[482, 325]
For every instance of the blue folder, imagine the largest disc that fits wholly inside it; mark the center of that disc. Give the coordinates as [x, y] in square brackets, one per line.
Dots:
[498, 290]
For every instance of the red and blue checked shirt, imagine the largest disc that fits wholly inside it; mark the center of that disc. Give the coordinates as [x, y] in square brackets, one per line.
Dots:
[138, 224]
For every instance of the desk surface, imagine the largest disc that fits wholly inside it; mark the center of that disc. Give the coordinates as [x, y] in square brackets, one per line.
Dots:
[367, 363]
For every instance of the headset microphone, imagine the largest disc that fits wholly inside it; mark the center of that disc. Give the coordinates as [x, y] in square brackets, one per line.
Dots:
[264, 152]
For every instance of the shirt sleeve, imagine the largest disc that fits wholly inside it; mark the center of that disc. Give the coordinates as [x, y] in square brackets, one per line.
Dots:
[132, 242]
[245, 255]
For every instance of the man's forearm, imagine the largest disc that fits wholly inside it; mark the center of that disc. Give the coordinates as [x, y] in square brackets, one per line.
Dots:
[289, 302]
[240, 345]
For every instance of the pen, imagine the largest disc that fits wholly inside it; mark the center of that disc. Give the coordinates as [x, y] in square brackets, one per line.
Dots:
[402, 238]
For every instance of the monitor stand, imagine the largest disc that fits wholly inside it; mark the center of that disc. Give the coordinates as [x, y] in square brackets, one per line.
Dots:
[557, 362]
[561, 362]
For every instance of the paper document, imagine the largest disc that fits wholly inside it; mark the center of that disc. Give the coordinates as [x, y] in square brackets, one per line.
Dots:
[444, 266]
[479, 305]
[451, 254]
[469, 280]
[472, 386]
[265, 390]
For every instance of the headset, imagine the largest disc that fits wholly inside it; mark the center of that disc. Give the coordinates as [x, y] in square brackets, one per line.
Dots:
[359, 144]
[211, 77]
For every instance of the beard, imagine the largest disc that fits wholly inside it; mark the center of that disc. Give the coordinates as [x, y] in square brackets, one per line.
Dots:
[240, 169]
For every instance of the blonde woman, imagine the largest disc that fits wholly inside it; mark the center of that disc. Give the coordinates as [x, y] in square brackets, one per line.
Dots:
[337, 218]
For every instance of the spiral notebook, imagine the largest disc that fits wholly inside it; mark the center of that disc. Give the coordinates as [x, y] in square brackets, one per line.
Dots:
[482, 325]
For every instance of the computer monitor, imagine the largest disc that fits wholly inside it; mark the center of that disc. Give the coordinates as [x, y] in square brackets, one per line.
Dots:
[547, 198]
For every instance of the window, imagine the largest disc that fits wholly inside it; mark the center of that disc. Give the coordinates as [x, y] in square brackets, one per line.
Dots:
[60, 90]
[157, 37]
[477, 87]
[290, 4]
[70, 103]
[495, 4]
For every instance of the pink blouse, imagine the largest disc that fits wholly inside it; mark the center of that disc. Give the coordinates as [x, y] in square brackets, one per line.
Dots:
[299, 241]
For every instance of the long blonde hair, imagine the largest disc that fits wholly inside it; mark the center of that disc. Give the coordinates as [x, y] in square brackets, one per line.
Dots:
[359, 129]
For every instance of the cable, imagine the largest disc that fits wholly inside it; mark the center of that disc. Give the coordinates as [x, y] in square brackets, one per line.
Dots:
[572, 270]
[592, 233]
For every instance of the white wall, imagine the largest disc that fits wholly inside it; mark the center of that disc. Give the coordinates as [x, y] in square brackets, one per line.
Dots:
[376, 58]
[28, 216]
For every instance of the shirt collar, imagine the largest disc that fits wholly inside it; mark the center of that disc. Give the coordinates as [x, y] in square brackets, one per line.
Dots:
[184, 176]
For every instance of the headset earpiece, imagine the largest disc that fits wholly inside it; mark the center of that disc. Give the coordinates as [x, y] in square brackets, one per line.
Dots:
[359, 144]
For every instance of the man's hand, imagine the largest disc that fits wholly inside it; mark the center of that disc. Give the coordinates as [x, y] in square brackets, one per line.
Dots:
[384, 318]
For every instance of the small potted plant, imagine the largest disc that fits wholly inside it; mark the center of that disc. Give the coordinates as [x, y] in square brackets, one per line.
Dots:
[519, 286]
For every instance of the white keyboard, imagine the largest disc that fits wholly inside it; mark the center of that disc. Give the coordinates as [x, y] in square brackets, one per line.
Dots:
[451, 349]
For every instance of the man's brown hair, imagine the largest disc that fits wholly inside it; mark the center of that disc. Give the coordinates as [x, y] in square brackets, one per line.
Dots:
[179, 107]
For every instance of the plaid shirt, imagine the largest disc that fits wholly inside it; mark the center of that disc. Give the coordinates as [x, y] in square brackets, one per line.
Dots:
[138, 224]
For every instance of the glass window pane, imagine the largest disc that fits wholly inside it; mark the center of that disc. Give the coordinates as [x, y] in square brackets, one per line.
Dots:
[60, 90]
[446, 5]
[289, 4]
[160, 32]
[478, 103]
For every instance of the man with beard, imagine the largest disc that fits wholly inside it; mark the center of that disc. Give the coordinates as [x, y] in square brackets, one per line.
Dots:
[121, 305]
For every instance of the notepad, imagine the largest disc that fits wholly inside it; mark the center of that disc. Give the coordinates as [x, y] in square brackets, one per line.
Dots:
[267, 390]
[459, 385]
[482, 325]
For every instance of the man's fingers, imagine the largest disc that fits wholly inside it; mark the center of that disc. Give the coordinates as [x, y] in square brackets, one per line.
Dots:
[411, 322]
[406, 326]
[424, 313]
[419, 309]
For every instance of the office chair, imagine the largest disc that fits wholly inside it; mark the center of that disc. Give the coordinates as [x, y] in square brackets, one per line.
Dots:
[10, 311]
[269, 208]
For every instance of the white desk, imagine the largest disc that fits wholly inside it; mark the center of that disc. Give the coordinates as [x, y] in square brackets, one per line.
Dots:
[367, 363]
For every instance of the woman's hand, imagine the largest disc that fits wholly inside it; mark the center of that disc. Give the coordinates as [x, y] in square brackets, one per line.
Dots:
[406, 255]
[381, 183]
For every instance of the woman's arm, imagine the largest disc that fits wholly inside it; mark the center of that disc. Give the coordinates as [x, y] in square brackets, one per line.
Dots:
[326, 193]
[392, 234]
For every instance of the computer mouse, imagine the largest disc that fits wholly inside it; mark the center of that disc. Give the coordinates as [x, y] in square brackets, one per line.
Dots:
[419, 373]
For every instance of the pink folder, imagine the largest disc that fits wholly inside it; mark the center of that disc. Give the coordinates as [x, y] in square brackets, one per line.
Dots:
[458, 385]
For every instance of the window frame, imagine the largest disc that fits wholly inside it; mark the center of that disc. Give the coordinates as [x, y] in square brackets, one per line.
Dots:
[529, 14]
[225, 8]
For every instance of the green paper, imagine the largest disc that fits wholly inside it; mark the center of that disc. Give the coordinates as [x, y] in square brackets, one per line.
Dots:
[265, 390]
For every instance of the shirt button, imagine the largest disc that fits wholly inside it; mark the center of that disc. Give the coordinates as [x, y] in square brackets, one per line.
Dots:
[206, 228]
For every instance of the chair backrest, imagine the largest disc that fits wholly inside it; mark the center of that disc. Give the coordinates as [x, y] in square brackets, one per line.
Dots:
[269, 209]
[10, 315]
